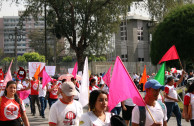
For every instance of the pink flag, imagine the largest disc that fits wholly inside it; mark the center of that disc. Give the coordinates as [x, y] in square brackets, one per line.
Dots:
[45, 78]
[23, 94]
[122, 87]
[74, 70]
[8, 76]
[106, 77]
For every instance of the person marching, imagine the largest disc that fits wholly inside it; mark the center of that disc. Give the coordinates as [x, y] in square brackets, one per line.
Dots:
[189, 98]
[53, 92]
[34, 86]
[12, 108]
[66, 111]
[43, 101]
[171, 98]
[98, 116]
[157, 109]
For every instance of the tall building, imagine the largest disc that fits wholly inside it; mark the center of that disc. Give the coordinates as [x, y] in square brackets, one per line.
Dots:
[8, 33]
[132, 42]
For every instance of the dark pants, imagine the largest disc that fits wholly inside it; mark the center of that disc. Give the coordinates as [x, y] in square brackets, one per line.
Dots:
[192, 122]
[173, 107]
[15, 122]
[51, 101]
[30, 102]
[43, 104]
[34, 99]
[116, 110]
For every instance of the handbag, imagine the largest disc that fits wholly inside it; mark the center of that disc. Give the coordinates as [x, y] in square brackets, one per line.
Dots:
[116, 120]
[189, 110]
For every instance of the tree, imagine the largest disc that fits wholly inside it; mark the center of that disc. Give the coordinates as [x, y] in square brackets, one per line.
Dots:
[37, 43]
[176, 29]
[21, 60]
[159, 8]
[33, 57]
[81, 22]
[67, 59]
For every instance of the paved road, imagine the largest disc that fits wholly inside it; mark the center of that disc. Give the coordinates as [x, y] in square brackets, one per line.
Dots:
[39, 121]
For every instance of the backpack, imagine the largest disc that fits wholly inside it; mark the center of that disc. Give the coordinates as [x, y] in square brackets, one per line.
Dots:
[116, 120]
[142, 113]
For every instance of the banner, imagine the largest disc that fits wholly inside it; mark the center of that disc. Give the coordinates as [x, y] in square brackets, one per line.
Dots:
[70, 70]
[32, 67]
[50, 70]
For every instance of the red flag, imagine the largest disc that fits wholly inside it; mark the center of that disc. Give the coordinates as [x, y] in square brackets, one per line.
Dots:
[122, 87]
[171, 54]
[21, 74]
[74, 70]
[1, 74]
[143, 78]
[8, 76]
[106, 77]
[41, 72]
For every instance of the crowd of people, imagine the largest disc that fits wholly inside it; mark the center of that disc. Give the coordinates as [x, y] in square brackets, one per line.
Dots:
[66, 110]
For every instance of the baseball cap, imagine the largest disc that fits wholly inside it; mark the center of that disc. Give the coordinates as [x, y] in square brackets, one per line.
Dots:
[68, 88]
[54, 80]
[153, 84]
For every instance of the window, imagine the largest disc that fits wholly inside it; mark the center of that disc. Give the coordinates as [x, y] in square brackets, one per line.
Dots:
[140, 59]
[140, 33]
[123, 30]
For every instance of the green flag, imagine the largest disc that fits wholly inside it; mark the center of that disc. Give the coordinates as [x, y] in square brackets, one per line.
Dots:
[160, 76]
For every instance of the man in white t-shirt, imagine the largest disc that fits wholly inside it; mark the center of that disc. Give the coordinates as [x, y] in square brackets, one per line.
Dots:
[171, 98]
[66, 111]
[158, 112]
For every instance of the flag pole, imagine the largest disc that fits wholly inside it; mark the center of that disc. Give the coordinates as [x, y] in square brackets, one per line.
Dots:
[180, 63]
[137, 90]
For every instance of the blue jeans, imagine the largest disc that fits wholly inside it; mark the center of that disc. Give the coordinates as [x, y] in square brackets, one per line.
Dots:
[116, 110]
[192, 122]
[30, 103]
[43, 105]
[173, 107]
[51, 101]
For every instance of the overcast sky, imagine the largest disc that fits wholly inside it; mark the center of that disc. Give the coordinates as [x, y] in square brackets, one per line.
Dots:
[9, 9]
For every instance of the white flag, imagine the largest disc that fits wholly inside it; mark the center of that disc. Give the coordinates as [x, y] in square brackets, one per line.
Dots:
[84, 88]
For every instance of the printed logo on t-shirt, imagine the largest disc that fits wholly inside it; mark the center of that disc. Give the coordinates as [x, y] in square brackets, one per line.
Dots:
[35, 86]
[11, 111]
[69, 118]
[54, 92]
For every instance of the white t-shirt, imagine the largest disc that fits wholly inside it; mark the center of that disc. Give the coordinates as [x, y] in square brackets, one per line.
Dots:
[90, 119]
[42, 92]
[157, 112]
[19, 86]
[129, 102]
[170, 91]
[63, 114]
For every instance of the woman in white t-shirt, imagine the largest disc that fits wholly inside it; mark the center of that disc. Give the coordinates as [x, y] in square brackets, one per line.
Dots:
[189, 98]
[98, 116]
